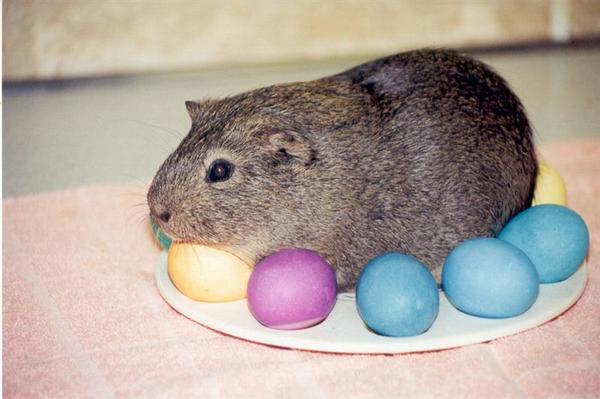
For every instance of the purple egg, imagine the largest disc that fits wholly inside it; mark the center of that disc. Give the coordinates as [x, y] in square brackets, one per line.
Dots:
[292, 289]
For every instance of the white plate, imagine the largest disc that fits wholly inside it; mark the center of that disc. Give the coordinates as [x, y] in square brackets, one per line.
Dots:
[344, 332]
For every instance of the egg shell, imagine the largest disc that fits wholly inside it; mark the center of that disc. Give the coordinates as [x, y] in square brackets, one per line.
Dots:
[488, 277]
[549, 186]
[292, 289]
[397, 296]
[163, 240]
[555, 238]
[207, 274]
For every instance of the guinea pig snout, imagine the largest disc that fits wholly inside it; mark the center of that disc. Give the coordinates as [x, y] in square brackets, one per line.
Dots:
[160, 213]
[165, 216]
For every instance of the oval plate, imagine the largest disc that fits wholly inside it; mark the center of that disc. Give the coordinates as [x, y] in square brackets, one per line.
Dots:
[344, 332]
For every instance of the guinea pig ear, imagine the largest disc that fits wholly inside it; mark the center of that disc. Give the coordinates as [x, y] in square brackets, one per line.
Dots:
[291, 146]
[193, 109]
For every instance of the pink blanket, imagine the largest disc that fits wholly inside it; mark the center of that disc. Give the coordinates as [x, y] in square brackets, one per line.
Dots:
[83, 318]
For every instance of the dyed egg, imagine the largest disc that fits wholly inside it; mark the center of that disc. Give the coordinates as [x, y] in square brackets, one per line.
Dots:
[487, 277]
[207, 274]
[397, 296]
[555, 238]
[549, 187]
[163, 240]
[292, 289]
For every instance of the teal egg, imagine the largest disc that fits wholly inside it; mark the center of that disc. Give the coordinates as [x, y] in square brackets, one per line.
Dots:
[397, 296]
[554, 237]
[164, 240]
[487, 277]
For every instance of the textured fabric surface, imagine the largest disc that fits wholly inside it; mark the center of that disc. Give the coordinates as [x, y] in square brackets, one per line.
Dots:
[83, 318]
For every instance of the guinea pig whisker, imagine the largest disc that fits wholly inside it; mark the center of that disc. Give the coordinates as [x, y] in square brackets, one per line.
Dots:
[137, 193]
[142, 221]
[172, 132]
[169, 142]
[138, 213]
[136, 221]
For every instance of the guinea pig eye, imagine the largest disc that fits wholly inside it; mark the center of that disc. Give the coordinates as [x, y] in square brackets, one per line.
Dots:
[219, 170]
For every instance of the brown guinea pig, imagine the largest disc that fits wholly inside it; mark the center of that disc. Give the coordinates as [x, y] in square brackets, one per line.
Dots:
[415, 153]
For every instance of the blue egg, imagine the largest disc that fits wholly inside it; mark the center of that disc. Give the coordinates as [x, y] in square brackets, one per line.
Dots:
[164, 240]
[555, 238]
[397, 296]
[487, 277]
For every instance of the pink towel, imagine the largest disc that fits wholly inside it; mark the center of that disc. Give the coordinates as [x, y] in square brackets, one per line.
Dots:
[83, 318]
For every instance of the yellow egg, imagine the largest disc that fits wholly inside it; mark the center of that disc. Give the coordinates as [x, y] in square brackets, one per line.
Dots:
[549, 187]
[207, 274]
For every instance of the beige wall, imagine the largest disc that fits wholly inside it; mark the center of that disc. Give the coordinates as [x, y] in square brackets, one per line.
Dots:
[46, 39]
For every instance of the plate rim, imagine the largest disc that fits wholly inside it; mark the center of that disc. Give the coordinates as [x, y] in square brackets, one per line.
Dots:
[379, 344]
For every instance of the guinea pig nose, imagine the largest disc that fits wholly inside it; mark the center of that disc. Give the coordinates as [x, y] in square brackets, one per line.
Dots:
[165, 216]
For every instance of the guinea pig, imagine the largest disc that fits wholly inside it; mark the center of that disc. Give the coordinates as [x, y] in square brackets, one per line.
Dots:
[414, 153]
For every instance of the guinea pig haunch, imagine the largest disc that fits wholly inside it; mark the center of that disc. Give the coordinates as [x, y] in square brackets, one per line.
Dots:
[414, 153]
